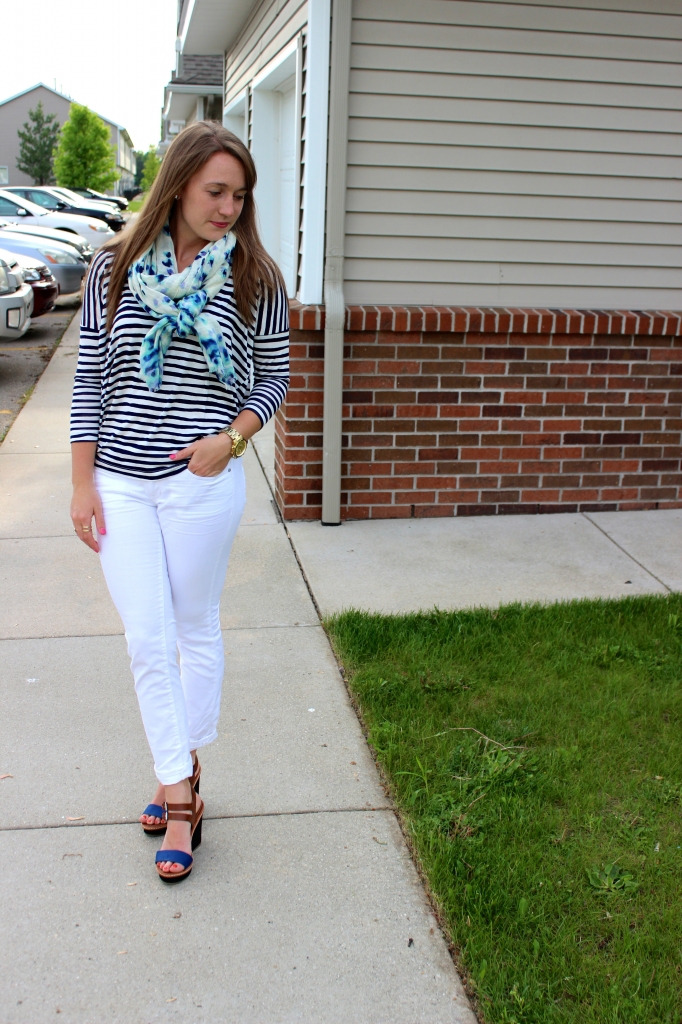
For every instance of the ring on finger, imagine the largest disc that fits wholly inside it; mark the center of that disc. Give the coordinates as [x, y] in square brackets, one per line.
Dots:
[86, 529]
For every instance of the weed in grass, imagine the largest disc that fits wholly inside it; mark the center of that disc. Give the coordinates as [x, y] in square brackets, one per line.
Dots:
[611, 881]
[536, 756]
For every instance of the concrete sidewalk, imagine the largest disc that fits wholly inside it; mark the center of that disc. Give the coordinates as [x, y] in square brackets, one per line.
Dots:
[304, 904]
[395, 566]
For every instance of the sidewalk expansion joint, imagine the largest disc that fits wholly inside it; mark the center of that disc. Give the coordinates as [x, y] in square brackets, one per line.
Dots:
[289, 538]
[94, 636]
[626, 552]
[40, 536]
[273, 625]
[207, 817]
[58, 636]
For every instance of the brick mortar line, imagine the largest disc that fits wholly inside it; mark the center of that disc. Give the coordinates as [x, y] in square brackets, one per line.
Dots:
[625, 551]
[399, 318]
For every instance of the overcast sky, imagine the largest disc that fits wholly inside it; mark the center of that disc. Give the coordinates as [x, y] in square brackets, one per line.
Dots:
[113, 57]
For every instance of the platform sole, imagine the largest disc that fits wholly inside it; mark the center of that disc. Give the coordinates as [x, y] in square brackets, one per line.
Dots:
[178, 876]
[160, 831]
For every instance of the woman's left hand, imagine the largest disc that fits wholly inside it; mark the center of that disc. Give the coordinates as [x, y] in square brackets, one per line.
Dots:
[207, 457]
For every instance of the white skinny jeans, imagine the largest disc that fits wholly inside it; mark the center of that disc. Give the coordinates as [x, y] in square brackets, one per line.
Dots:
[164, 557]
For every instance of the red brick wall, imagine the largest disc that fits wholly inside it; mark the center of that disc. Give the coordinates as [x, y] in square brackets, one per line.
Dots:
[477, 412]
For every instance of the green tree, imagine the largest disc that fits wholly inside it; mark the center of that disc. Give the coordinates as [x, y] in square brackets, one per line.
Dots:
[139, 167]
[85, 157]
[151, 169]
[38, 141]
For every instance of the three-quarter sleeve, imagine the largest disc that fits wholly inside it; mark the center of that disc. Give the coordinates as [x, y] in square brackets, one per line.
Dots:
[270, 356]
[86, 405]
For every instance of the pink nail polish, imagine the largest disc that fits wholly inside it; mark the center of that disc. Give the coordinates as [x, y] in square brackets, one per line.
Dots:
[102, 531]
[172, 456]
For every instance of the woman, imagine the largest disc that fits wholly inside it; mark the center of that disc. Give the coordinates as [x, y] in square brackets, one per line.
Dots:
[183, 357]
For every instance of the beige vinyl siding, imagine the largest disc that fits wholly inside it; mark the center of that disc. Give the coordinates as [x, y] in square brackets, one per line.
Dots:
[272, 25]
[270, 28]
[515, 154]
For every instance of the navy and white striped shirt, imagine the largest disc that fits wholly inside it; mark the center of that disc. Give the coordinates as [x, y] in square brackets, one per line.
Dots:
[137, 429]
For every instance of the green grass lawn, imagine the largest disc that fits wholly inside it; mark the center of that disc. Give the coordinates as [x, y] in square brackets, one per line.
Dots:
[535, 754]
[135, 205]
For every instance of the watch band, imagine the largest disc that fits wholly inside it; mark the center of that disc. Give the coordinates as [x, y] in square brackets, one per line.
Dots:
[239, 443]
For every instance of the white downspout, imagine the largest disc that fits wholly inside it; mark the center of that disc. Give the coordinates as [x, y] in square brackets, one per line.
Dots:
[335, 306]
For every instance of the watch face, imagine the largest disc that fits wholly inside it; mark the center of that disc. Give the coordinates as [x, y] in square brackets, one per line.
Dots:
[239, 447]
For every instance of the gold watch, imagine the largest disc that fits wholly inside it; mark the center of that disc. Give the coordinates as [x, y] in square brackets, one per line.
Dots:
[239, 443]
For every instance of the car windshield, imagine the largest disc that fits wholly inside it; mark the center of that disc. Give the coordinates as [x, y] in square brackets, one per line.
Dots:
[70, 195]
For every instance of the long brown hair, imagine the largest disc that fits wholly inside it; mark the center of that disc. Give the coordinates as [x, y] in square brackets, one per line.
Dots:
[252, 270]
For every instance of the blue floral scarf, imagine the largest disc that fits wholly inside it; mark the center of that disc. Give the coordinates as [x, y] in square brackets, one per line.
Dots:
[178, 300]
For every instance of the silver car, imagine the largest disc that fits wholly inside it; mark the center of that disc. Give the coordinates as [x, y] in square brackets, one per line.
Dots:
[65, 262]
[16, 299]
[79, 243]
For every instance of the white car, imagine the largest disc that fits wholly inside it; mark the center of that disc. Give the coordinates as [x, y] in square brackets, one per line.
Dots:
[21, 211]
[56, 200]
[73, 197]
[16, 298]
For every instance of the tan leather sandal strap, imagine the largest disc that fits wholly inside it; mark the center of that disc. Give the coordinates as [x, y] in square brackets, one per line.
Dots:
[179, 807]
[180, 816]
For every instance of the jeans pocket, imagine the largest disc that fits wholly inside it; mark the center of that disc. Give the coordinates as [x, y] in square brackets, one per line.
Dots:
[215, 476]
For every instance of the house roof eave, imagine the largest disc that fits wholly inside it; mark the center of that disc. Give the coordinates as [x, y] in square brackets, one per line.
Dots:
[211, 25]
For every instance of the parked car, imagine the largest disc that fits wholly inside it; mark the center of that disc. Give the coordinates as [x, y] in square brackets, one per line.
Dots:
[90, 193]
[16, 298]
[22, 211]
[73, 197]
[53, 200]
[77, 242]
[68, 267]
[44, 284]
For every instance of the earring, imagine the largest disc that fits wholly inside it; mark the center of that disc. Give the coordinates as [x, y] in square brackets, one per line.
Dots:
[176, 197]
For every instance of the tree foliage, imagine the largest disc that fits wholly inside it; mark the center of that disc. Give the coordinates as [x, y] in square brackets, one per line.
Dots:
[139, 167]
[38, 141]
[85, 157]
[151, 169]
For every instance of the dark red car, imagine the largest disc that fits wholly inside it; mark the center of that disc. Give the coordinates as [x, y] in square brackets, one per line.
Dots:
[43, 283]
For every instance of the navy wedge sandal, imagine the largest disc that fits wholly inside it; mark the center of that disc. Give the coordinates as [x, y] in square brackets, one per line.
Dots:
[194, 814]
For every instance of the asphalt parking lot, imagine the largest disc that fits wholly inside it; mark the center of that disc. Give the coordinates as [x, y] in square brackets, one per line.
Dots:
[23, 361]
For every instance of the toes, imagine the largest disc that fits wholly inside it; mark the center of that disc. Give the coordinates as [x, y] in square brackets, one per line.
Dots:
[170, 867]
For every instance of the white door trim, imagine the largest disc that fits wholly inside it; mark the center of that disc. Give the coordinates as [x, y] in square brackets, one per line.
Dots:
[315, 170]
